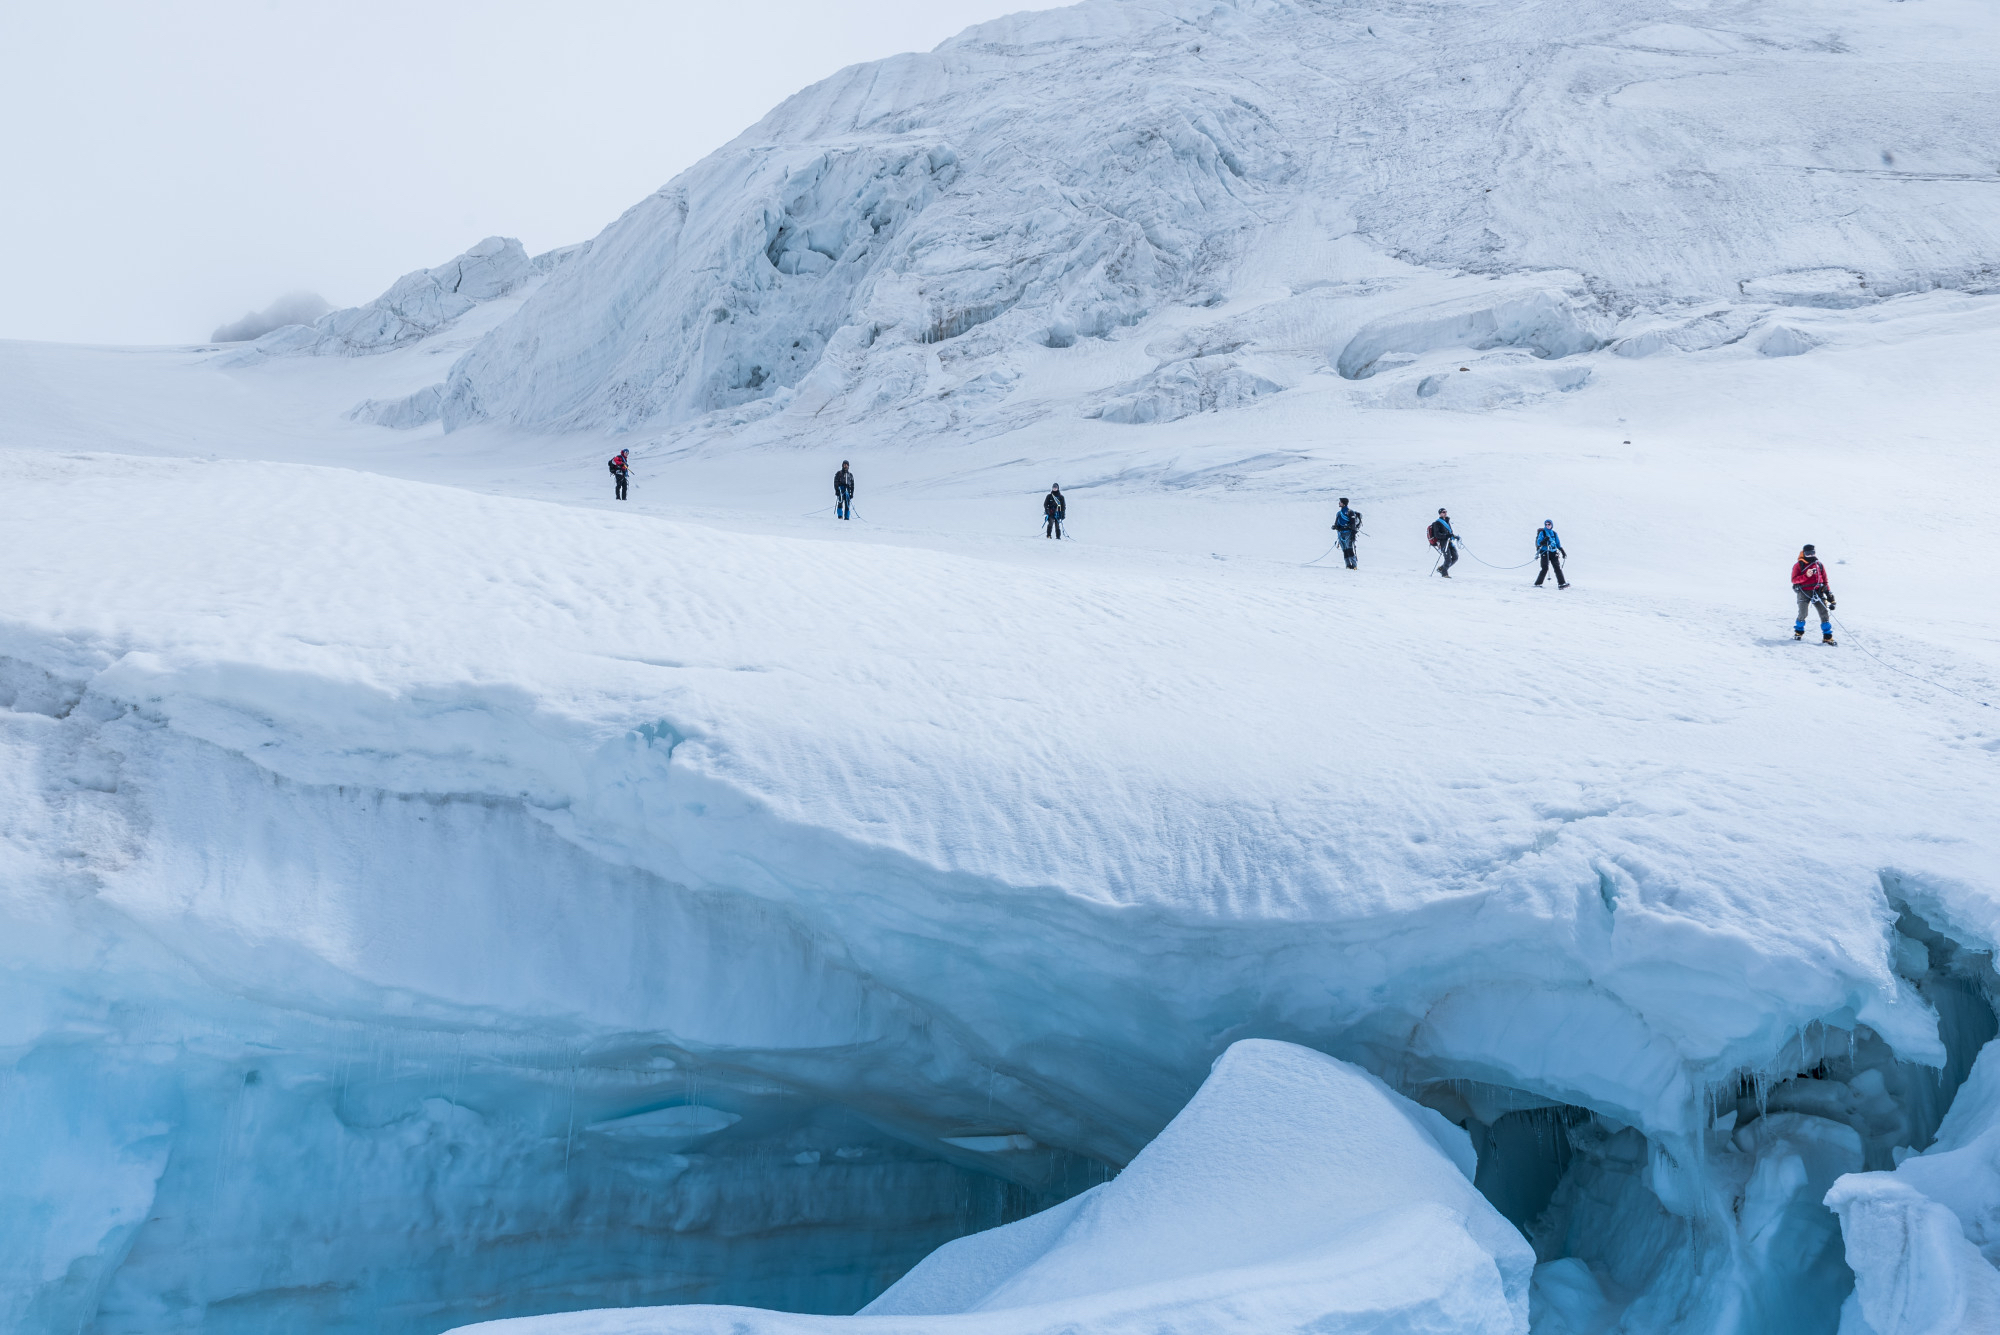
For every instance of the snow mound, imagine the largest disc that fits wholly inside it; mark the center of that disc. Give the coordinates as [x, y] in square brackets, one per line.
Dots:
[1546, 321]
[292, 308]
[1293, 1192]
[1182, 388]
[1049, 180]
[1783, 340]
[416, 409]
[416, 306]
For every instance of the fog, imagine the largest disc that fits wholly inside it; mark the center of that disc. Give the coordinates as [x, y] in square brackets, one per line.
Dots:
[168, 168]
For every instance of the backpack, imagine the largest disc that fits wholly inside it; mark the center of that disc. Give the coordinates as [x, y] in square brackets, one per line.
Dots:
[1434, 534]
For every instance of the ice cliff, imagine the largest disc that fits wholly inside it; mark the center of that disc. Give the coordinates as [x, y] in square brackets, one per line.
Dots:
[419, 900]
[427, 903]
[1357, 184]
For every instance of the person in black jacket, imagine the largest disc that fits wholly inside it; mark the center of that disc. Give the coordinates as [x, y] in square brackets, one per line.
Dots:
[843, 492]
[1054, 509]
[1445, 541]
[621, 471]
[1550, 548]
[1347, 527]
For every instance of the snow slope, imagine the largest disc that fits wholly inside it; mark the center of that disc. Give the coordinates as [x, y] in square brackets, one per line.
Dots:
[433, 893]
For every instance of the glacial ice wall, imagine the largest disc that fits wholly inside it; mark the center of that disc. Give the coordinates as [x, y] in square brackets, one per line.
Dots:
[626, 899]
[891, 245]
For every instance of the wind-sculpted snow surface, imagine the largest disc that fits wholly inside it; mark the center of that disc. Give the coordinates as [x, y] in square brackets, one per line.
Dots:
[424, 906]
[901, 232]
[1294, 1192]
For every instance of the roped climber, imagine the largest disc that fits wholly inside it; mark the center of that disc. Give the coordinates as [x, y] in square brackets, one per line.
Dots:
[1809, 584]
[1347, 527]
[1549, 548]
[843, 492]
[1054, 510]
[1441, 537]
[621, 472]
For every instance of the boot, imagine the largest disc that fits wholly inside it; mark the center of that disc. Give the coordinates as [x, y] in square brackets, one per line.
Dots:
[1827, 639]
[1799, 634]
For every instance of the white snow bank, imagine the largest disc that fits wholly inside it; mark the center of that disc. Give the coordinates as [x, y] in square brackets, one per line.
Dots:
[1294, 1192]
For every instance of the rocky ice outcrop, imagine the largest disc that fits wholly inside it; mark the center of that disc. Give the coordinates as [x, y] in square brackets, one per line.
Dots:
[417, 305]
[912, 225]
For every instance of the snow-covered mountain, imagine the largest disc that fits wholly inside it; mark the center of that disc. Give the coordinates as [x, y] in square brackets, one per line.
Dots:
[1358, 184]
[431, 891]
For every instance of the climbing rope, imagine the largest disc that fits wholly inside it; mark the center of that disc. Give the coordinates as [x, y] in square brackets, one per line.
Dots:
[1848, 635]
[1321, 557]
[1331, 550]
[1483, 561]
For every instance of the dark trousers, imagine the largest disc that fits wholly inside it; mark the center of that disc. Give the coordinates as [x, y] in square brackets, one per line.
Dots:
[1052, 526]
[1450, 559]
[1551, 560]
[843, 504]
[621, 486]
[1346, 548]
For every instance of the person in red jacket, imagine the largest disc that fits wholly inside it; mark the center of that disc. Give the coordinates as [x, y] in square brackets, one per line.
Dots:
[1809, 583]
[621, 471]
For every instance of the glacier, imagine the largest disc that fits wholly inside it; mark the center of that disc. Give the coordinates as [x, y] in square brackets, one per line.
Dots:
[432, 892]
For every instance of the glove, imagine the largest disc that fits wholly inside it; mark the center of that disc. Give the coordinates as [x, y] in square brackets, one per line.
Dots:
[1830, 604]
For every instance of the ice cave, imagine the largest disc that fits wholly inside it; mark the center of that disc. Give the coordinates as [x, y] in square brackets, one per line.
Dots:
[434, 893]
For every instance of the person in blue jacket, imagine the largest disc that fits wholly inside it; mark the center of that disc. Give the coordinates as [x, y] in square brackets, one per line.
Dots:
[1550, 548]
[1347, 527]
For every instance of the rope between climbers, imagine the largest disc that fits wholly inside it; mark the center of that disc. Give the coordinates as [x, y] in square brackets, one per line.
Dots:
[1848, 635]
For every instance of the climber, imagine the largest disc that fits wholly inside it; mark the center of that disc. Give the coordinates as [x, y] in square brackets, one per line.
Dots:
[1809, 583]
[621, 471]
[1346, 527]
[1054, 508]
[1441, 537]
[1550, 548]
[843, 492]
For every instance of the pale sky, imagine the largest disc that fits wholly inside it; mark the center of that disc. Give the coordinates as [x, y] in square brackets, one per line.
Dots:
[165, 168]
